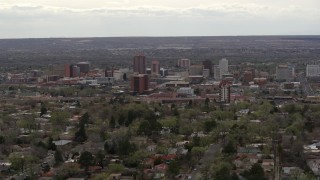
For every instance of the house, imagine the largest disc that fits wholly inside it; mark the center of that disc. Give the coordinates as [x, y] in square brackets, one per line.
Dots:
[314, 165]
[151, 148]
[253, 158]
[168, 157]
[172, 150]
[161, 168]
[243, 112]
[245, 161]
[267, 165]
[149, 161]
[62, 142]
[289, 170]
[182, 143]
[4, 165]
[182, 151]
[267, 162]
[251, 150]
[238, 163]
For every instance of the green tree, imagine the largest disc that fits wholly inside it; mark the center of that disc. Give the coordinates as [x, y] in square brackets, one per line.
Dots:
[112, 122]
[198, 152]
[256, 172]
[80, 135]
[66, 170]
[17, 161]
[206, 102]
[43, 109]
[125, 147]
[174, 168]
[51, 145]
[58, 156]
[2, 139]
[115, 168]
[229, 148]
[59, 119]
[84, 119]
[222, 171]
[46, 168]
[100, 158]
[86, 159]
[209, 125]
[145, 128]
[121, 119]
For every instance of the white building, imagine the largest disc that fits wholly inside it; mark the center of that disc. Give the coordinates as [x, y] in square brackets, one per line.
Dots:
[225, 91]
[186, 91]
[118, 74]
[223, 67]
[216, 72]
[312, 70]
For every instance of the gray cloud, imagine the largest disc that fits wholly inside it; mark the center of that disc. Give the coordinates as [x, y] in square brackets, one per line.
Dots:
[29, 20]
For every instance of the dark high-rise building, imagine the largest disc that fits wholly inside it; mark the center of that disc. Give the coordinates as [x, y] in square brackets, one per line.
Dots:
[140, 83]
[155, 67]
[163, 72]
[207, 64]
[139, 64]
[84, 67]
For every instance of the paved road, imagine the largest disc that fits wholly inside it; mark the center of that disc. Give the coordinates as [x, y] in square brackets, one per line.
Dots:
[207, 158]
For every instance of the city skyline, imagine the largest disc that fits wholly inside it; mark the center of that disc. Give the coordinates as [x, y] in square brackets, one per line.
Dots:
[98, 18]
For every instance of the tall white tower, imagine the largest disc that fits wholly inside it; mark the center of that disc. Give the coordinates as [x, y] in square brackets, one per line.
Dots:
[223, 67]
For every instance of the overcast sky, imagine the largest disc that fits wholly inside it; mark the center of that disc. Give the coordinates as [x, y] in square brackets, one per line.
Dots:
[95, 18]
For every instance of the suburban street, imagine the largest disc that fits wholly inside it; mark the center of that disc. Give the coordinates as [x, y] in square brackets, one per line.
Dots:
[206, 159]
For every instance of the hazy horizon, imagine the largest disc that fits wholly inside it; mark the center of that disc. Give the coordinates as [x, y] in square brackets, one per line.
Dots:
[83, 37]
[155, 18]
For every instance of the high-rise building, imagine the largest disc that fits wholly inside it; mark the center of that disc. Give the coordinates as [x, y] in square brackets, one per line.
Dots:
[284, 73]
[225, 91]
[75, 71]
[139, 64]
[67, 70]
[223, 67]
[108, 72]
[216, 72]
[313, 70]
[84, 67]
[155, 67]
[207, 64]
[71, 70]
[184, 63]
[140, 83]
